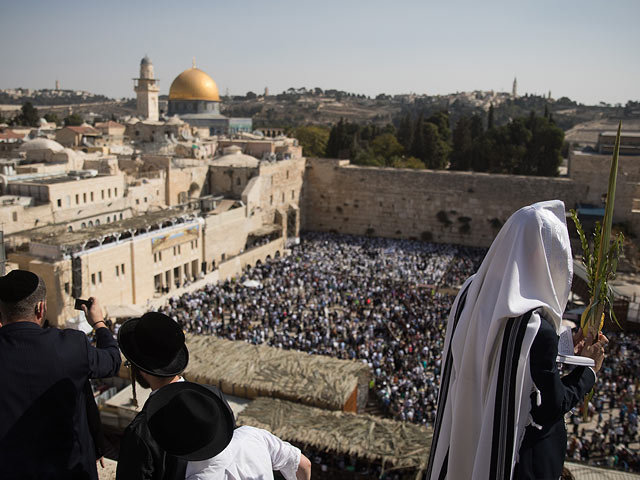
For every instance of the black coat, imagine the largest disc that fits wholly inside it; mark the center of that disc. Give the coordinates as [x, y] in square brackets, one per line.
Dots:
[542, 452]
[141, 458]
[44, 432]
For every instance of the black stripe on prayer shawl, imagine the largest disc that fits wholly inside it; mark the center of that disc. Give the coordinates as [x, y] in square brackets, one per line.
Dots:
[444, 389]
[504, 413]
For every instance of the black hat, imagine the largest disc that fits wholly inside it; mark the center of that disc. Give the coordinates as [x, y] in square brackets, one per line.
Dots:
[18, 285]
[189, 420]
[155, 344]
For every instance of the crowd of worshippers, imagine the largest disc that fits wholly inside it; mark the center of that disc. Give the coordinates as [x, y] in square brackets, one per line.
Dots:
[348, 297]
[610, 438]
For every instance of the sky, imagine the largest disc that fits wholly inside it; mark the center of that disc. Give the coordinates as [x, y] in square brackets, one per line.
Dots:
[587, 50]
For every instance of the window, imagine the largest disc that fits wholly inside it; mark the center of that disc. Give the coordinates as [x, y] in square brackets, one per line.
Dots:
[287, 174]
[100, 277]
[293, 194]
[120, 216]
[93, 279]
[117, 270]
[83, 225]
[91, 196]
[137, 201]
[238, 181]
[115, 192]
[160, 256]
[108, 219]
[157, 192]
[69, 228]
[14, 215]
[84, 198]
[66, 288]
[90, 223]
[97, 221]
[109, 192]
[59, 202]
[122, 268]
[145, 199]
[155, 257]
[77, 199]
[102, 194]
[283, 197]
[271, 200]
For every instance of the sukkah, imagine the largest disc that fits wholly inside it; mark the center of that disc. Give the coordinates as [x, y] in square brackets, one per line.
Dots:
[396, 445]
[250, 371]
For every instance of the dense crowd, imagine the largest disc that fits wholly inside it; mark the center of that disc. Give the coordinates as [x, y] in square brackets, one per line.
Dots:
[379, 301]
[609, 437]
[362, 298]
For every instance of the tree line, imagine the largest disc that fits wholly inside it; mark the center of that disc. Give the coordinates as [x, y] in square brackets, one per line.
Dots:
[29, 117]
[529, 145]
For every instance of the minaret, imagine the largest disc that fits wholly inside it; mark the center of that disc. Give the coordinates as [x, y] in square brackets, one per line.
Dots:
[514, 90]
[146, 90]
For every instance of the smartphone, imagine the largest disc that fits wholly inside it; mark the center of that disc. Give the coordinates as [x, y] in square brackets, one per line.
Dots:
[80, 302]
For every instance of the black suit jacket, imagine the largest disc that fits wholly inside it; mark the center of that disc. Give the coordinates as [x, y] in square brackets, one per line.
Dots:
[141, 458]
[44, 432]
[542, 452]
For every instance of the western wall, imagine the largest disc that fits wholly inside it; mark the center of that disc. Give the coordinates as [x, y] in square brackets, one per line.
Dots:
[442, 206]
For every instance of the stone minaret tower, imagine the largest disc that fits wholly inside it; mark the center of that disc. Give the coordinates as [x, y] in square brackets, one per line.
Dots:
[146, 90]
[514, 90]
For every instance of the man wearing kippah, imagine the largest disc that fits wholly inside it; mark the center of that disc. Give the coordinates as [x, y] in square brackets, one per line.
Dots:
[44, 433]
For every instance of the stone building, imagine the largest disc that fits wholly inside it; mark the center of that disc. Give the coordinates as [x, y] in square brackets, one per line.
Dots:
[78, 137]
[147, 90]
[194, 97]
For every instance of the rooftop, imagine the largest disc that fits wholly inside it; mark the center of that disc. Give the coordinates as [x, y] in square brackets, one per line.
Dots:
[106, 233]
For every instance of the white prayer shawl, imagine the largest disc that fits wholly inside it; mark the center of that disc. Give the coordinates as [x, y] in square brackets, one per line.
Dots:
[486, 385]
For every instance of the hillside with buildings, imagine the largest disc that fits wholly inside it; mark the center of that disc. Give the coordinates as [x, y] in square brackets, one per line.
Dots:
[183, 203]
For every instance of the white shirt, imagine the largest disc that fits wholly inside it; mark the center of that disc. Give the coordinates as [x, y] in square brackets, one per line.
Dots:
[252, 454]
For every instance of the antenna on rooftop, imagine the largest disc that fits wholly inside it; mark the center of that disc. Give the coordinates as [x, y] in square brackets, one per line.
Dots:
[193, 62]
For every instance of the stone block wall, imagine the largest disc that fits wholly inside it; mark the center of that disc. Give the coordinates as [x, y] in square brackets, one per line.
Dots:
[441, 206]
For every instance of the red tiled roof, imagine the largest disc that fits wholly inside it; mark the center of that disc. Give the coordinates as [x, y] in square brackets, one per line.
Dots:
[8, 135]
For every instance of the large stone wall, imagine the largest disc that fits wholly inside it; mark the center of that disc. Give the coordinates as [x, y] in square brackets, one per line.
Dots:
[593, 170]
[422, 204]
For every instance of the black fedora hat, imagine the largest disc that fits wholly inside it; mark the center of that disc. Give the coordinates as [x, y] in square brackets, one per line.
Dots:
[155, 344]
[190, 421]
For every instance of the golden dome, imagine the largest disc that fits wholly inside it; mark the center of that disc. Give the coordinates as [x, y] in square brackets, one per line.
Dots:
[194, 84]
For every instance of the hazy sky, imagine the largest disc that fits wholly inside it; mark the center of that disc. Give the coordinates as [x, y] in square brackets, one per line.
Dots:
[588, 50]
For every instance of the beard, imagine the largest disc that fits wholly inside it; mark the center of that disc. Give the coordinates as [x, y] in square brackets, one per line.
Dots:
[139, 378]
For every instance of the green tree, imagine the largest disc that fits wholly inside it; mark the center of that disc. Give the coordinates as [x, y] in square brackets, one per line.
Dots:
[544, 150]
[28, 116]
[387, 147]
[490, 118]
[462, 146]
[73, 120]
[52, 118]
[435, 148]
[411, 162]
[406, 132]
[313, 139]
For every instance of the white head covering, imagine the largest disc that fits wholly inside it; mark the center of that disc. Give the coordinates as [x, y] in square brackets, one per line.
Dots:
[528, 267]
